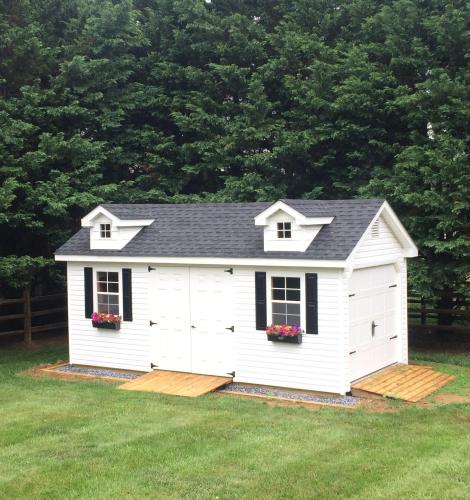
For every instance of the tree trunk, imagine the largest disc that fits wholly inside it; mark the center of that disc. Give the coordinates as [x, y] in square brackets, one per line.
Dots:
[445, 302]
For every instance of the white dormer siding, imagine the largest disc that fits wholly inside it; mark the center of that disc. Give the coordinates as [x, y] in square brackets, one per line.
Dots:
[122, 231]
[120, 236]
[301, 236]
[303, 229]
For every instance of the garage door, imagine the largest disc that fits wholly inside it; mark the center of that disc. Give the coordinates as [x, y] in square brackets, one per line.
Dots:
[373, 317]
[192, 309]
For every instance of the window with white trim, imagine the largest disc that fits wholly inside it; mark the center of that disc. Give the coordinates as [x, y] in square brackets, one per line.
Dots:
[284, 230]
[285, 300]
[105, 230]
[107, 287]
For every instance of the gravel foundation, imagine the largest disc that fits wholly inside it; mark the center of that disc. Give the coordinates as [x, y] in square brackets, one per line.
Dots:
[286, 394]
[97, 372]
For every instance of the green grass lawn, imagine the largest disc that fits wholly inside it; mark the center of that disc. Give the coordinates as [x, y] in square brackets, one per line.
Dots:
[63, 439]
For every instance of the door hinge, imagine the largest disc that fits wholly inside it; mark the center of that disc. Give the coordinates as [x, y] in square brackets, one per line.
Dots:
[231, 328]
[394, 337]
[232, 374]
[393, 286]
[151, 323]
[351, 295]
[230, 270]
[352, 352]
[150, 268]
[153, 366]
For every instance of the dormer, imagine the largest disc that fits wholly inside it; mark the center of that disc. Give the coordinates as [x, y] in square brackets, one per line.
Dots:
[288, 230]
[108, 232]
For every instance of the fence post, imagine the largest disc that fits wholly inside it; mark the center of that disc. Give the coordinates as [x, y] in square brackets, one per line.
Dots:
[27, 315]
[423, 312]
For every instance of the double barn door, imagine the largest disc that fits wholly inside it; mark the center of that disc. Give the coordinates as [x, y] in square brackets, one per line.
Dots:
[192, 314]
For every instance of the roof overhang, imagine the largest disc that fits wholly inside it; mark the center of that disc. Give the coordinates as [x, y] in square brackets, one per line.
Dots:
[262, 219]
[207, 261]
[87, 221]
[386, 211]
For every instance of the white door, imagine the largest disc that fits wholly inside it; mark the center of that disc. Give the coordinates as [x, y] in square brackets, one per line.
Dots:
[169, 309]
[193, 313]
[212, 321]
[373, 310]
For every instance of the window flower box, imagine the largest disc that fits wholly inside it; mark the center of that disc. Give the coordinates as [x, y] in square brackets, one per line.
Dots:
[106, 321]
[289, 334]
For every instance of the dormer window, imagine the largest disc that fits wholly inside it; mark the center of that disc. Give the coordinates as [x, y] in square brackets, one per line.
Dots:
[284, 230]
[105, 230]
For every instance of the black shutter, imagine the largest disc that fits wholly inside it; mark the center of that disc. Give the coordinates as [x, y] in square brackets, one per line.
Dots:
[127, 294]
[260, 296]
[311, 288]
[88, 277]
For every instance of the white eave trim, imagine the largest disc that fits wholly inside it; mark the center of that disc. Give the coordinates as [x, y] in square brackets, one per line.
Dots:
[262, 218]
[409, 248]
[87, 221]
[206, 261]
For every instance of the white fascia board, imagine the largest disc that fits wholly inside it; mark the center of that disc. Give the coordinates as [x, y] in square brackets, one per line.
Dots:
[316, 221]
[87, 221]
[205, 261]
[409, 247]
[262, 218]
[411, 250]
[134, 223]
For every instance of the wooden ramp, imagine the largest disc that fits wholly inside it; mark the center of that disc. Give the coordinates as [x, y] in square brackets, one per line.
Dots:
[176, 383]
[408, 382]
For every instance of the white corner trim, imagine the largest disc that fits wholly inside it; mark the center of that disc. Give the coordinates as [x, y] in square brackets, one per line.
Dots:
[206, 261]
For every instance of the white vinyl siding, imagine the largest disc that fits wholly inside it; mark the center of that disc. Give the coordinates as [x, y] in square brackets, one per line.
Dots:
[379, 244]
[316, 364]
[127, 348]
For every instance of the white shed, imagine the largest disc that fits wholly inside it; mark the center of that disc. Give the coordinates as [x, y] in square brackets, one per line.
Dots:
[196, 285]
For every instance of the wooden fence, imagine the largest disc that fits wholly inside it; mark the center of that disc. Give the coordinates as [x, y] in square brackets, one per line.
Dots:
[41, 313]
[423, 317]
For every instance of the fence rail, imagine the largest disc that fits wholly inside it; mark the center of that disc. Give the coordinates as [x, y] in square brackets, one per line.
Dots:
[38, 314]
[425, 318]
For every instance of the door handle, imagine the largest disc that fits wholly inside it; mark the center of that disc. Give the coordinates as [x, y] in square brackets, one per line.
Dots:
[151, 323]
[231, 328]
[394, 337]
[373, 326]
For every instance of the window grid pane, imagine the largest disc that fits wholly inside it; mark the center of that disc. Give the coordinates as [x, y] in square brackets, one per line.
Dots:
[284, 230]
[107, 287]
[105, 230]
[285, 301]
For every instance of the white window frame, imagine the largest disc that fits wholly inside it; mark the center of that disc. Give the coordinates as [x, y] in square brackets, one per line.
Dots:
[285, 273]
[95, 285]
[283, 230]
[107, 232]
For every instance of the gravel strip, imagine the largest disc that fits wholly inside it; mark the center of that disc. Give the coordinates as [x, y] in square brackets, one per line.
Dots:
[97, 372]
[286, 394]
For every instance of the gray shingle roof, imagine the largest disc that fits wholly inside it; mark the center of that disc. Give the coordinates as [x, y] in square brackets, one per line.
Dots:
[228, 230]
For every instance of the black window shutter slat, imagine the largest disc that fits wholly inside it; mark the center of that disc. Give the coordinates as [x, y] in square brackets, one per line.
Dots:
[88, 277]
[127, 294]
[260, 296]
[311, 292]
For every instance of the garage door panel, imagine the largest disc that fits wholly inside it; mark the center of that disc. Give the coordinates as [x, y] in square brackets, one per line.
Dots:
[372, 301]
